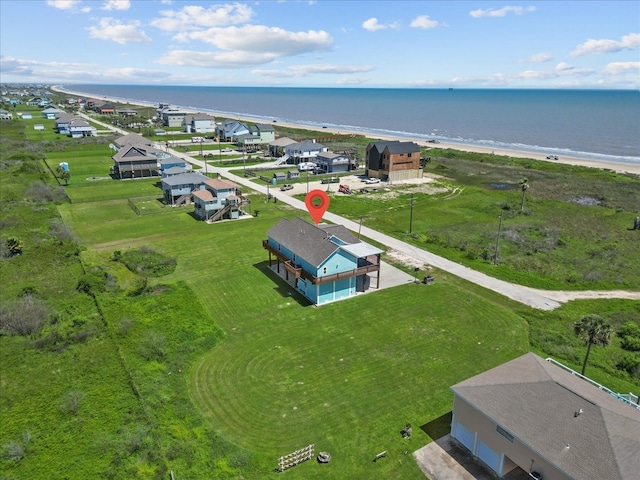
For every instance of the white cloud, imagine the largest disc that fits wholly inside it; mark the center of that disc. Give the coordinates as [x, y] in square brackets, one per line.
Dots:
[115, 31]
[261, 40]
[352, 80]
[628, 42]
[7, 61]
[189, 58]
[373, 25]
[622, 68]
[536, 75]
[195, 17]
[501, 12]
[116, 5]
[305, 70]
[564, 69]
[424, 22]
[63, 4]
[539, 58]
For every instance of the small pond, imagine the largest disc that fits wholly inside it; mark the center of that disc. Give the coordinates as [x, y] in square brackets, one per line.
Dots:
[503, 186]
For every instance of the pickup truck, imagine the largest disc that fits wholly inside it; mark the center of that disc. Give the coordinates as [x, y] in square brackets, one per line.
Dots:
[330, 180]
[286, 187]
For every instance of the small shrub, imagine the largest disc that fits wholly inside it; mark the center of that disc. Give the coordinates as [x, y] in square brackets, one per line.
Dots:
[26, 316]
[629, 329]
[41, 192]
[631, 344]
[125, 325]
[28, 291]
[97, 280]
[71, 402]
[146, 261]
[61, 232]
[12, 451]
[13, 247]
[629, 363]
[153, 346]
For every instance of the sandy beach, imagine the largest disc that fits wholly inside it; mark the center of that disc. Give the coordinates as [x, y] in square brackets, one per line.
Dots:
[566, 160]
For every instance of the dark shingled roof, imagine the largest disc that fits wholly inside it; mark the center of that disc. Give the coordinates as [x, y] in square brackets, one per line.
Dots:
[309, 241]
[403, 147]
[395, 146]
[536, 401]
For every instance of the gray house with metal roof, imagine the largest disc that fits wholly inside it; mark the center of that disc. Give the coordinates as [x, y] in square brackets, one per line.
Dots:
[331, 162]
[323, 262]
[303, 151]
[547, 420]
[177, 189]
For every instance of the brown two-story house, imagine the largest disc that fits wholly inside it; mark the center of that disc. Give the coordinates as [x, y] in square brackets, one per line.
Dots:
[393, 160]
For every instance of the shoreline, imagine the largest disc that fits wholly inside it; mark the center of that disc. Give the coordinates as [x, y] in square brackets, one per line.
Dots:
[521, 154]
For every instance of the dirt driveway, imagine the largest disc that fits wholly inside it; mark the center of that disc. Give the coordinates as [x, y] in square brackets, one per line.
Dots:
[356, 183]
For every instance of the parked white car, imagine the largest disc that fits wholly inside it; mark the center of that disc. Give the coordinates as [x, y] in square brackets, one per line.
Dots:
[372, 180]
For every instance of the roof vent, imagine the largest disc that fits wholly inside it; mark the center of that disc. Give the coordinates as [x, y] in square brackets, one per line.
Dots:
[578, 413]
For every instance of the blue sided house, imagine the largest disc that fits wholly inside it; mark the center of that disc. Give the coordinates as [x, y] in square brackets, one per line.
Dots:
[325, 263]
[218, 199]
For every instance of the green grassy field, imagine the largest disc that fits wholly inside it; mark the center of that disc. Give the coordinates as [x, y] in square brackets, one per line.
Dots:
[218, 368]
[554, 242]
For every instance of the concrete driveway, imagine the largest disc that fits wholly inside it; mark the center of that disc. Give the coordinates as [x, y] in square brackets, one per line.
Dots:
[443, 460]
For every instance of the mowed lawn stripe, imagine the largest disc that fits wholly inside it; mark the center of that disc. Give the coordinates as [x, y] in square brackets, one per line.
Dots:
[337, 368]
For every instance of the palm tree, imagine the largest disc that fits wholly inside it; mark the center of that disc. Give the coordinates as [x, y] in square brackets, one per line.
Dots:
[593, 330]
[524, 186]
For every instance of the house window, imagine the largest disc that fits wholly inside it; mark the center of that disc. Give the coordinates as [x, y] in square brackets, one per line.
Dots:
[504, 433]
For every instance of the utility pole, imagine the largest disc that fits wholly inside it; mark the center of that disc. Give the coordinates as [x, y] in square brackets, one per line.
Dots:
[495, 257]
[206, 171]
[219, 130]
[360, 227]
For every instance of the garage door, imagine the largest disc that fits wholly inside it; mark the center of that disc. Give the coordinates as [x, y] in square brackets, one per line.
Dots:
[488, 456]
[464, 436]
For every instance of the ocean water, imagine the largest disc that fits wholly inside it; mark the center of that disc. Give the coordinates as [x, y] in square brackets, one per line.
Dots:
[594, 124]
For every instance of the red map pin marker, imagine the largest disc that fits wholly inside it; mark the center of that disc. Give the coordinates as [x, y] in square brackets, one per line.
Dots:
[317, 211]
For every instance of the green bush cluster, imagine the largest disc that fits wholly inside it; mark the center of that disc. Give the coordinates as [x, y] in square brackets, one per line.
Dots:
[146, 261]
[629, 334]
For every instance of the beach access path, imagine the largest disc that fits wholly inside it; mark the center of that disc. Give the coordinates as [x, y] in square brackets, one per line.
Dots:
[536, 298]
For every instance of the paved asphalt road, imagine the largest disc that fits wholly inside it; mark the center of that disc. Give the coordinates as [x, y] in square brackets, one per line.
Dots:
[540, 299]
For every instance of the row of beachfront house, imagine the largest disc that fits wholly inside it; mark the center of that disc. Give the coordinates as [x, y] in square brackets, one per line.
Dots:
[387, 160]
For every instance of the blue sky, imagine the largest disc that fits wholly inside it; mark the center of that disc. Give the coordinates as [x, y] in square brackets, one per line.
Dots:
[323, 43]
